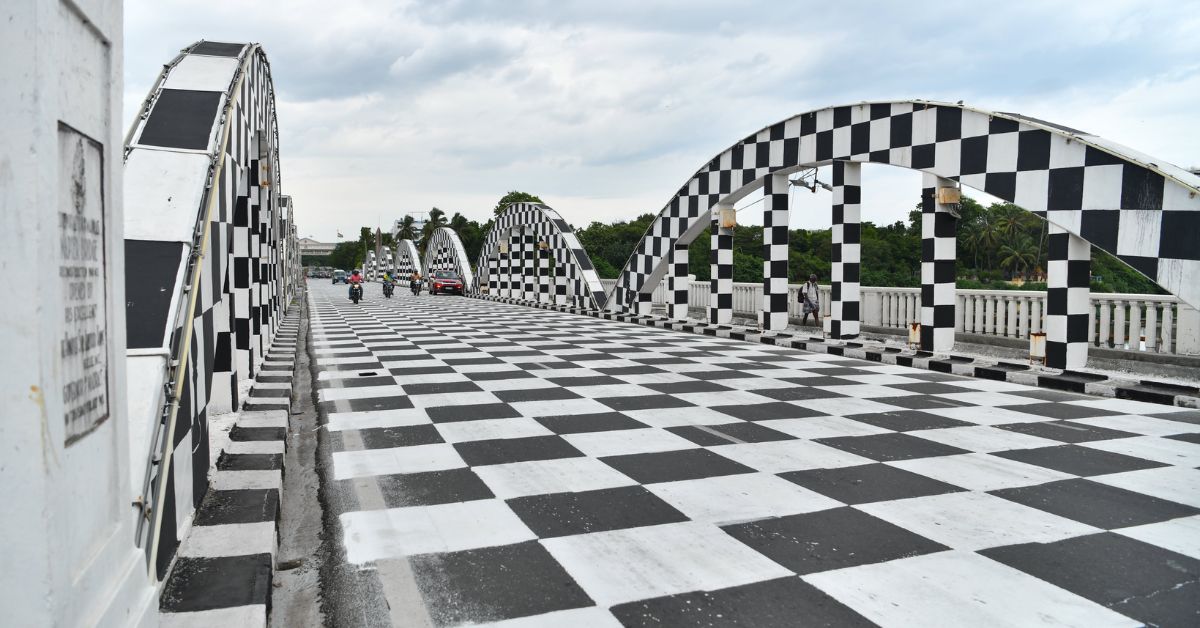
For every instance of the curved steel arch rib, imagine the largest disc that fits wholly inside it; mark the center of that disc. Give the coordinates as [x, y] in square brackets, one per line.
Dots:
[1143, 211]
[514, 238]
[408, 260]
[444, 251]
[209, 245]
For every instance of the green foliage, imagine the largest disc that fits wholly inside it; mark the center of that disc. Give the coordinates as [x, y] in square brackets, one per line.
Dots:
[347, 256]
[514, 197]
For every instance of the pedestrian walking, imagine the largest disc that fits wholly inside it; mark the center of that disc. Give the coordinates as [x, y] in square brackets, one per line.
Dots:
[810, 297]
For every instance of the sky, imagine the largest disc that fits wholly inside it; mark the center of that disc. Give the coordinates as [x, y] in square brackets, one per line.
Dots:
[603, 109]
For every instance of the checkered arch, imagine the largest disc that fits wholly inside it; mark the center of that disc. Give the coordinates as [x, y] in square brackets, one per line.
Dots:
[408, 260]
[532, 254]
[210, 260]
[1142, 210]
[444, 251]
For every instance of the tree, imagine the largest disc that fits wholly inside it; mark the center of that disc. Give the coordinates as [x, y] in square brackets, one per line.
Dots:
[514, 197]
[1018, 253]
[346, 255]
[407, 230]
[437, 219]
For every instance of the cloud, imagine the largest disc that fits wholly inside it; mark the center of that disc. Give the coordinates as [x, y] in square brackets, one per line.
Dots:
[604, 109]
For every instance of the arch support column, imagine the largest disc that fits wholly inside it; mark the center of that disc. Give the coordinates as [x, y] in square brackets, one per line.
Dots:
[774, 312]
[528, 266]
[515, 259]
[678, 284]
[845, 297]
[1068, 299]
[543, 273]
[720, 298]
[938, 254]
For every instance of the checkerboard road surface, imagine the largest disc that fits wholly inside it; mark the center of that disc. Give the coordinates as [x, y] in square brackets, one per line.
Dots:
[537, 468]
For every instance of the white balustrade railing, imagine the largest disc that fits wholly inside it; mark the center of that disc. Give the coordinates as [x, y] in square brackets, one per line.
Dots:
[1135, 322]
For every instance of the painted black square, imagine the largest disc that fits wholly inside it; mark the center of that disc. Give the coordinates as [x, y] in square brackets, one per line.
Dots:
[1096, 504]
[824, 145]
[181, 118]
[1033, 150]
[1065, 431]
[1138, 580]
[217, 49]
[430, 488]
[920, 402]
[1001, 184]
[801, 392]
[672, 466]
[1065, 189]
[535, 394]
[907, 420]
[860, 138]
[1078, 460]
[252, 505]
[973, 155]
[923, 156]
[1141, 188]
[472, 412]
[949, 124]
[644, 402]
[1099, 227]
[491, 376]
[997, 125]
[886, 447]
[580, 423]
[505, 450]
[768, 411]
[830, 539]
[769, 603]
[495, 583]
[403, 436]
[740, 431]
[435, 388]
[563, 514]
[901, 131]
[868, 483]
[841, 117]
[1060, 410]
[693, 386]
[249, 462]
[206, 583]
[1180, 235]
[395, 402]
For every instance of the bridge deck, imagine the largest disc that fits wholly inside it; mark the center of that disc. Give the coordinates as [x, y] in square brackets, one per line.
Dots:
[509, 462]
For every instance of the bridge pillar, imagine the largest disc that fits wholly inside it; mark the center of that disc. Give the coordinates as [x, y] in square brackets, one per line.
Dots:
[720, 299]
[938, 255]
[844, 311]
[678, 283]
[528, 266]
[515, 259]
[1068, 299]
[774, 312]
[543, 274]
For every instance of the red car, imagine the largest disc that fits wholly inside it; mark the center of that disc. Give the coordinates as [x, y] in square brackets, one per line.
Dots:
[445, 281]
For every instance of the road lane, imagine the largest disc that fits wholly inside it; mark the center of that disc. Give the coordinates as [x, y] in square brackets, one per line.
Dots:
[510, 463]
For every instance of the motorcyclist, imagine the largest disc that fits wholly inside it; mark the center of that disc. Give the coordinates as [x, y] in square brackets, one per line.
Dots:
[388, 281]
[355, 279]
[414, 282]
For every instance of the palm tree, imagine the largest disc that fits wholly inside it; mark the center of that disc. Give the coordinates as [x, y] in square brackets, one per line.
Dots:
[407, 231]
[437, 218]
[1019, 252]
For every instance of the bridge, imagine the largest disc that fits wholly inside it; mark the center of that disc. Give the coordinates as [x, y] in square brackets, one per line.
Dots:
[551, 450]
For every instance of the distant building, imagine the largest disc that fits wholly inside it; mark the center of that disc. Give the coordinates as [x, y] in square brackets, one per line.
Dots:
[419, 220]
[309, 246]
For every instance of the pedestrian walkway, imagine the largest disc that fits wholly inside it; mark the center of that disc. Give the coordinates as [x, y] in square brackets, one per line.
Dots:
[578, 471]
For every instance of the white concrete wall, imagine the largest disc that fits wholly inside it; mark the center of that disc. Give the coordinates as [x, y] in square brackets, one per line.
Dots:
[66, 527]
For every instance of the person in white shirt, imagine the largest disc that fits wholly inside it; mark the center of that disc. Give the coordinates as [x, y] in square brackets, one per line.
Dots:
[810, 296]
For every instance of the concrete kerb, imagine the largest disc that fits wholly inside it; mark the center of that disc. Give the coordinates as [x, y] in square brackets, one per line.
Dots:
[1085, 382]
[224, 568]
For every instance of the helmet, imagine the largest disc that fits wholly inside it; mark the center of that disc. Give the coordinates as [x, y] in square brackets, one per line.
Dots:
[356, 272]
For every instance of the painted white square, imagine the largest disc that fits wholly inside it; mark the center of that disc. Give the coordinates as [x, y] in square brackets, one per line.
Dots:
[485, 429]
[1002, 153]
[789, 455]
[231, 539]
[415, 459]
[959, 589]
[539, 477]
[974, 521]
[845, 406]
[947, 158]
[613, 390]
[1064, 153]
[620, 442]
[1102, 187]
[521, 383]
[723, 398]
[984, 415]
[980, 472]
[376, 418]
[590, 617]
[559, 407]
[737, 498]
[672, 417]
[653, 378]
[1165, 450]
[1178, 535]
[1032, 190]
[438, 400]
[1176, 484]
[359, 392]
[639, 563]
[982, 438]
[822, 427]
[372, 535]
[1144, 425]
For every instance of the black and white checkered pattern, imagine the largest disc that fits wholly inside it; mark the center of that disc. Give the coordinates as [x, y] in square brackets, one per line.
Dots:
[844, 321]
[444, 251]
[938, 257]
[720, 297]
[578, 471]
[208, 134]
[1068, 304]
[1144, 211]
[774, 312]
[678, 284]
[408, 260]
[522, 226]
[371, 267]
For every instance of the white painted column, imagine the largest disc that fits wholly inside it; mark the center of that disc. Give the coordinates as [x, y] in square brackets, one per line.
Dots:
[720, 299]
[678, 282]
[774, 311]
[845, 292]
[1068, 299]
[938, 255]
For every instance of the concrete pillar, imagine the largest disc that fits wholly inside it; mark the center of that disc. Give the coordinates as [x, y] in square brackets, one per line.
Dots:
[1068, 299]
[678, 283]
[1187, 330]
[774, 311]
[845, 301]
[938, 254]
[69, 554]
[720, 299]
[528, 263]
[515, 259]
[543, 275]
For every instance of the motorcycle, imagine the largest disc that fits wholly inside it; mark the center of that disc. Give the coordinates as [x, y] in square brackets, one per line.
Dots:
[388, 287]
[415, 284]
[356, 292]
